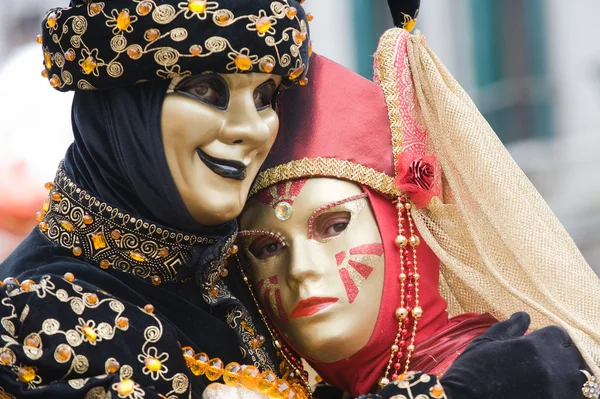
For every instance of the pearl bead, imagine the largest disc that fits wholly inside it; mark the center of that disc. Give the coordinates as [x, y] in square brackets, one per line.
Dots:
[401, 313]
[401, 241]
[415, 241]
[395, 348]
[417, 312]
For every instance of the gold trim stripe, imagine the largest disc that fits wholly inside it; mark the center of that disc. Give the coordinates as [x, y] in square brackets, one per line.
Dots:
[327, 167]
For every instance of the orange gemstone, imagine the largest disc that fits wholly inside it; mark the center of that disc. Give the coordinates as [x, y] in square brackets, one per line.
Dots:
[69, 277]
[303, 82]
[77, 251]
[195, 50]
[215, 369]
[46, 206]
[11, 280]
[266, 66]
[243, 62]
[115, 234]
[137, 256]
[437, 391]
[89, 333]
[43, 226]
[39, 216]
[87, 219]
[104, 264]
[310, 49]
[125, 387]
[112, 366]
[54, 82]
[263, 25]
[282, 389]
[26, 374]
[214, 291]
[309, 17]
[153, 364]
[250, 377]
[223, 17]
[31, 342]
[200, 364]
[123, 322]
[123, 20]
[156, 280]
[188, 355]
[95, 8]
[92, 299]
[198, 6]
[98, 241]
[267, 382]
[38, 39]
[5, 358]
[163, 253]
[299, 37]
[292, 12]
[63, 354]
[134, 52]
[149, 308]
[51, 20]
[232, 374]
[152, 34]
[297, 72]
[224, 273]
[56, 196]
[234, 249]
[254, 343]
[47, 60]
[67, 225]
[144, 8]
[49, 186]
[69, 55]
[89, 65]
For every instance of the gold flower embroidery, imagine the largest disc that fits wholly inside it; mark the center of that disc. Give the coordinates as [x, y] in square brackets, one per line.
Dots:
[198, 8]
[262, 24]
[241, 61]
[121, 21]
[154, 364]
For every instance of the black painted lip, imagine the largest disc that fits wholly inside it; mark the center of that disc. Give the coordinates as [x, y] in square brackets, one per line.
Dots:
[223, 167]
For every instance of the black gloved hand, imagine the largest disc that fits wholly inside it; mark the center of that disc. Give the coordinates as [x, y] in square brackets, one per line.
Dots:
[505, 363]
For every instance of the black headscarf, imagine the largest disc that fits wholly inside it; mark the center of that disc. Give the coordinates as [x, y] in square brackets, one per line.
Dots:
[118, 155]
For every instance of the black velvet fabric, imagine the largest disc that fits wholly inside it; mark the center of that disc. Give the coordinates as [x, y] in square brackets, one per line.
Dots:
[401, 9]
[169, 37]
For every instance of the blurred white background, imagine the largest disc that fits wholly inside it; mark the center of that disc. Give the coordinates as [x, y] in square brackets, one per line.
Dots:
[532, 66]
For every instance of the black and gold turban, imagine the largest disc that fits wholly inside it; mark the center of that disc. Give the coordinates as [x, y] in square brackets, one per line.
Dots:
[98, 45]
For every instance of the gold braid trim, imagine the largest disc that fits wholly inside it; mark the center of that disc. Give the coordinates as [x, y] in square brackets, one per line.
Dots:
[327, 167]
[386, 75]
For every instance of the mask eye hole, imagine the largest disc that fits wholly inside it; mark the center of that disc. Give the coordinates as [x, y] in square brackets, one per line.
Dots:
[265, 247]
[265, 94]
[330, 225]
[211, 89]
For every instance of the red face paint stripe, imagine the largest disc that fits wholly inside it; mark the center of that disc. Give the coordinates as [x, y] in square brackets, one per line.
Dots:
[339, 257]
[280, 308]
[361, 268]
[349, 285]
[368, 249]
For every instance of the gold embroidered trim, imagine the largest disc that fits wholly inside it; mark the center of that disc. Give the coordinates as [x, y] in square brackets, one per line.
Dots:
[94, 230]
[387, 79]
[327, 167]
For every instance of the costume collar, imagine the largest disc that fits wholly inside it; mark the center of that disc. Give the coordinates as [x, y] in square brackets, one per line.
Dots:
[111, 238]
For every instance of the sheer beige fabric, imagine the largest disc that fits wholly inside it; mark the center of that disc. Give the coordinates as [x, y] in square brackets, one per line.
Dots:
[501, 247]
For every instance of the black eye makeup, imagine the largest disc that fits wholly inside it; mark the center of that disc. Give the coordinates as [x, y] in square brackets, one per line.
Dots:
[265, 94]
[209, 88]
[333, 219]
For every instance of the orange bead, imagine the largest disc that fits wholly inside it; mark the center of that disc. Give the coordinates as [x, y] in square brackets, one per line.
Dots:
[243, 62]
[5, 358]
[92, 299]
[67, 225]
[144, 8]
[38, 39]
[299, 37]
[77, 251]
[11, 280]
[224, 273]
[223, 17]
[281, 391]
[309, 17]
[123, 322]
[232, 374]
[89, 65]
[39, 216]
[51, 20]
[437, 391]
[156, 280]
[303, 82]
[215, 369]
[200, 364]
[95, 8]
[153, 364]
[234, 249]
[149, 309]
[32, 342]
[49, 186]
[134, 52]
[137, 256]
[70, 55]
[115, 234]
[310, 49]
[267, 382]
[26, 285]
[26, 374]
[163, 253]
[69, 277]
[296, 73]
[195, 50]
[126, 387]
[54, 82]
[152, 34]
[266, 66]
[198, 6]
[112, 366]
[104, 264]
[123, 20]
[46, 206]
[214, 291]
[89, 333]
[87, 219]
[263, 25]
[292, 12]
[188, 355]
[56, 196]
[43, 226]
[250, 377]
[99, 241]
[63, 354]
